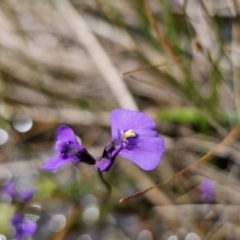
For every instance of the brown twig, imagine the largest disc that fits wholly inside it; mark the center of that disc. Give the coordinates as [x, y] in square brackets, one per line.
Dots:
[149, 67]
[226, 141]
[166, 46]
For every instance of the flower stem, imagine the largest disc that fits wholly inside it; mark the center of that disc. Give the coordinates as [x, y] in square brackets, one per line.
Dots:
[107, 184]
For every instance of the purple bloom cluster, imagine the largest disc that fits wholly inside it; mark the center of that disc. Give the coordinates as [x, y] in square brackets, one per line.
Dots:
[23, 227]
[207, 190]
[24, 196]
[134, 137]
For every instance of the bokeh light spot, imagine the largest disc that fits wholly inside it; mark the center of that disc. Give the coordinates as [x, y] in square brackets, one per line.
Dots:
[90, 215]
[32, 217]
[57, 223]
[192, 236]
[89, 200]
[22, 123]
[84, 237]
[3, 136]
[145, 235]
[79, 140]
[2, 237]
[173, 237]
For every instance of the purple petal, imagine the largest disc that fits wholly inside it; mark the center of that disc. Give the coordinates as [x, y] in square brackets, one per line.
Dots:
[9, 189]
[124, 119]
[146, 153]
[103, 164]
[27, 194]
[23, 227]
[55, 163]
[61, 145]
[207, 189]
[66, 134]
[16, 218]
[146, 133]
[30, 227]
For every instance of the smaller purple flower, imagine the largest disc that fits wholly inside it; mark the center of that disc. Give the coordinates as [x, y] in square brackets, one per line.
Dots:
[207, 190]
[9, 189]
[69, 150]
[16, 196]
[133, 137]
[27, 194]
[23, 227]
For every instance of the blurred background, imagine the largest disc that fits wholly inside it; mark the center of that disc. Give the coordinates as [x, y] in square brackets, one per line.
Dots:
[72, 62]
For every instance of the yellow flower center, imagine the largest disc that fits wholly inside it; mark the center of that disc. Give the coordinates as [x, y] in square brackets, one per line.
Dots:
[128, 134]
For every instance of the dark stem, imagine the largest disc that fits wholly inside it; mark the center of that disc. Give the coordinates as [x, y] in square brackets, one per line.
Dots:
[107, 184]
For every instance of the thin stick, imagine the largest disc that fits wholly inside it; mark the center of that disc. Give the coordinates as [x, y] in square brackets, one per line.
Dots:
[97, 53]
[163, 41]
[150, 67]
[158, 86]
[235, 65]
[226, 141]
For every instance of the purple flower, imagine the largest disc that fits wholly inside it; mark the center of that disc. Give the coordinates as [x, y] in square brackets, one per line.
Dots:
[133, 137]
[69, 150]
[9, 189]
[22, 226]
[27, 194]
[16, 196]
[207, 190]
